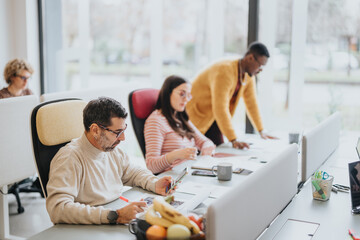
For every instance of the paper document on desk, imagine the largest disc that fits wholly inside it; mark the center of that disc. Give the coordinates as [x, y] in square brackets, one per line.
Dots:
[183, 202]
[193, 188]
[125, 188]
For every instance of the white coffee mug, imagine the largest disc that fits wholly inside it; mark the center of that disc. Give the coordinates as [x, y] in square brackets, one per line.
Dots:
[224, 171]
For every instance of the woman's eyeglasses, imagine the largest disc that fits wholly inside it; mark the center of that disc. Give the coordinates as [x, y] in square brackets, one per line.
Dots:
[23, 77]
[117, 133]
[184, 95]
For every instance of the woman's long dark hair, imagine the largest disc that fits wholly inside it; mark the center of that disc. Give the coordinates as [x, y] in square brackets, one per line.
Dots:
[179, 122]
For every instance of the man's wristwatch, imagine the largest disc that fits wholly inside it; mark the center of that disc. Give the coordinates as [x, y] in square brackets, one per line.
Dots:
[112, 217]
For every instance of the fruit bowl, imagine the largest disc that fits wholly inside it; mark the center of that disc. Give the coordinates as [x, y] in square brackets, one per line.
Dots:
[138, 227]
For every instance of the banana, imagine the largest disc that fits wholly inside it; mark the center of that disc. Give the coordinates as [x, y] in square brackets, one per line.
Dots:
[169, 198]
[170, 213]
[152, 218]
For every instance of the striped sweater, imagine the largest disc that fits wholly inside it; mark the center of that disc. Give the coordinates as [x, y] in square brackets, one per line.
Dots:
[161, 139]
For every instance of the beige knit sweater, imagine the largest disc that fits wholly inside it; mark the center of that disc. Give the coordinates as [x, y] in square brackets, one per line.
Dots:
[83, 177]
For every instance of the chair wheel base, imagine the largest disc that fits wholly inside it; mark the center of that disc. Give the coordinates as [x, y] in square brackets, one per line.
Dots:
[21, 210]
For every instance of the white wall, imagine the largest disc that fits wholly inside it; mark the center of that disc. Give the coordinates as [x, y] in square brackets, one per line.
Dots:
[19, 36]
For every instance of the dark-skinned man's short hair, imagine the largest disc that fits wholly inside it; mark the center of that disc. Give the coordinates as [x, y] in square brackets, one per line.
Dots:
[101, 111]
[258, 49]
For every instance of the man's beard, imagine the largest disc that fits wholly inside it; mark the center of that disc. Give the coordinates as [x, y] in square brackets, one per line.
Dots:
[103, 143]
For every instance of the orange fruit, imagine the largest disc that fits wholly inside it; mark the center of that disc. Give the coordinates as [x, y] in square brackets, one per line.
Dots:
[156, 232]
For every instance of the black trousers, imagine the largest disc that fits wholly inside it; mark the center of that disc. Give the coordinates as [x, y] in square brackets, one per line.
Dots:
[214, 134]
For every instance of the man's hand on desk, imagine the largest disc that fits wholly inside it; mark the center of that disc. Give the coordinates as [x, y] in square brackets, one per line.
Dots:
[264, 135]
[162, 184]
[239, 145]
[127, 213]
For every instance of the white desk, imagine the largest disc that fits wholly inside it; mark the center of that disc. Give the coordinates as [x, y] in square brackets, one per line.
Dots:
[334, 215]
[65, 231]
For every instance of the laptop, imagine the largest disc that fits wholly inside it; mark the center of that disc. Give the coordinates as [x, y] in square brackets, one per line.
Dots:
[246, 210]
[354, 177]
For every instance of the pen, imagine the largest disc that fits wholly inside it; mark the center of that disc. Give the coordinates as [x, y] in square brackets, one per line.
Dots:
[124, 199]
[351, 233]
[341, 186]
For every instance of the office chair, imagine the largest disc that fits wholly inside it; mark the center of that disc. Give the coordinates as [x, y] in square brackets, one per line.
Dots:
[27, 185]
[141, 104]
[53, 125]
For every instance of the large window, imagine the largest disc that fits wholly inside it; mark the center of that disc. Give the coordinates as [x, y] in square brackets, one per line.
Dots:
[90, 44]
[332, 77]
[236, 27]
[184, 42]
[96, 43]
[281, 59]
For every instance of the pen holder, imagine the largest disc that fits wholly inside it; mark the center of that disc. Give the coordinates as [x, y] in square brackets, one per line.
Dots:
[321, 188]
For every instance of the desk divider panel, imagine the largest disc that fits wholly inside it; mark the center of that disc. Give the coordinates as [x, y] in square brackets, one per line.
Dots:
[247, 210]
[318, 144]
[16, 152]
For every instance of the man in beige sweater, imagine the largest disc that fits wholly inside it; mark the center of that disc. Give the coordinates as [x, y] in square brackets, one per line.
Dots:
[91, 171]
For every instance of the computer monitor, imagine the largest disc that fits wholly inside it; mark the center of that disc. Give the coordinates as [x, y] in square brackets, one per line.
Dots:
[354, 177]
[318, 144]
[251, 206]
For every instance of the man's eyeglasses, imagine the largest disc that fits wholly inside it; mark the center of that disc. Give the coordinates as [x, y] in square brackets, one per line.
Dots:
[118, 134]
[23, 77]
[184, 95]
[260, 65]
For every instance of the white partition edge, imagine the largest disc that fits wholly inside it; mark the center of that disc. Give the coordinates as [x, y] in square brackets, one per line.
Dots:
[319, 143]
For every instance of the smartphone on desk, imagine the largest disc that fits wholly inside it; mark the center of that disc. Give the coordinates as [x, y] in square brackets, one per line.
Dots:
[178, 179]
[203, 173]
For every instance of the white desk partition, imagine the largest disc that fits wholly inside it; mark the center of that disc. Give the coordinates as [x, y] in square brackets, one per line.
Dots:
[251, 206]
[16, 151]
[318, 144]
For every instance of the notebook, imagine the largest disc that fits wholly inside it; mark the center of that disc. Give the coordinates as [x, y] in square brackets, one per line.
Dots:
[354, 177]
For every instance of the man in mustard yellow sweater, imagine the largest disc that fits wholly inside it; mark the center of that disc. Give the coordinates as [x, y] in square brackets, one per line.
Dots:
[217, 90]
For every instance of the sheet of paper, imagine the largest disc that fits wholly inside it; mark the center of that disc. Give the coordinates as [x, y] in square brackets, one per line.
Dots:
[194, 188]
[125, 188]
[184, 202]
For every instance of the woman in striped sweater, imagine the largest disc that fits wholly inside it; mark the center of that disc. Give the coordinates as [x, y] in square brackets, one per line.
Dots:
[170, 137]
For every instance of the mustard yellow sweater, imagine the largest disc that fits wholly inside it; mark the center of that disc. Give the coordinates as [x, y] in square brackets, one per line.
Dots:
[212, 90]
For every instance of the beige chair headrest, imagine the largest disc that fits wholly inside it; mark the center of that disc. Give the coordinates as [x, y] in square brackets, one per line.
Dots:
[60, 122]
